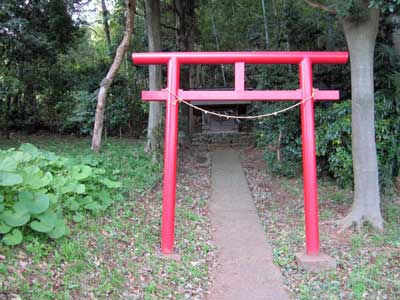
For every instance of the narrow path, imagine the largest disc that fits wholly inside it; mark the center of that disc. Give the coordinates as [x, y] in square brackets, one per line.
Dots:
[245, 269]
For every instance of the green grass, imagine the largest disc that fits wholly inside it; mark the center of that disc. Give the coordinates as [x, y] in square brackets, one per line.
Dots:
[123, 157]
[111, 255]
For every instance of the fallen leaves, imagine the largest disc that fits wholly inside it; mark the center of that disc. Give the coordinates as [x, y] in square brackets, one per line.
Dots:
[368, 261]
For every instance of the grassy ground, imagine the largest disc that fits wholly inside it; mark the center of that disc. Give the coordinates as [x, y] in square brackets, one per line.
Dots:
[368, 261]
[113, 255]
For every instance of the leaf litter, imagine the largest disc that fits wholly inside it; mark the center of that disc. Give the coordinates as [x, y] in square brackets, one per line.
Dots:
[368, 261]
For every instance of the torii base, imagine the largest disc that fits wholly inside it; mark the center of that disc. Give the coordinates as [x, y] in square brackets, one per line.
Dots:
[171, 256]
[315, 263]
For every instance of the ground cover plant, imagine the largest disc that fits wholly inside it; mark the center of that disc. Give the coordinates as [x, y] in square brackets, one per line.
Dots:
[368, 260]
[39, 189]
[112, 253]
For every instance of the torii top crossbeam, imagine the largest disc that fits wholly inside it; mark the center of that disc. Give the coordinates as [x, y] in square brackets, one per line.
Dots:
[240, 59]
[246, 57]
[305, 60]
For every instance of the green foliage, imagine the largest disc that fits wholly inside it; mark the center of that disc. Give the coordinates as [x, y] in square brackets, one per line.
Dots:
[357, 8]
[119, 237]
[79, 113]
[51, 66]
[40, 29]
[387, 130]
[386, 6]
[333, 138]
[13, 238]
[283, 152]
[41, 190]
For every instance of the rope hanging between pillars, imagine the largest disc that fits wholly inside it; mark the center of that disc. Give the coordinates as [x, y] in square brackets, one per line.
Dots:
[275, 113]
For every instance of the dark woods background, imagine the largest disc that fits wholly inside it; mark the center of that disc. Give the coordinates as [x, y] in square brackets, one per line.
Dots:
[52, 61]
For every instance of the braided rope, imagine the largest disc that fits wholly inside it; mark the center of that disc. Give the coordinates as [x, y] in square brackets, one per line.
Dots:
[275, 113]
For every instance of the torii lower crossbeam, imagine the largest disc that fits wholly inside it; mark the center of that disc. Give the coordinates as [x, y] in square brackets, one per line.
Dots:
[305, 60]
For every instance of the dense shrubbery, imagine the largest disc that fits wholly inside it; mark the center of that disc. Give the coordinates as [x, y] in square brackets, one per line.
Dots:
[282, 137]
[39, 191]
[282, 146]
[333, 138]
[124, 115]
[79, 116]
[50, 83]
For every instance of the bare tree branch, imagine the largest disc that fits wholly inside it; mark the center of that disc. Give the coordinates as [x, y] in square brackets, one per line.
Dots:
[112, 72]
[321, 7]
[139, 14]
[169, 27]
[91, 29]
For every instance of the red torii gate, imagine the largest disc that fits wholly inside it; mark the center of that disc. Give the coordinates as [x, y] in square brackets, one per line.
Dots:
[171, 95]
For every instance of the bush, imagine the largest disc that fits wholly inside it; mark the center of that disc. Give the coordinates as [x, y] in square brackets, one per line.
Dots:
[387, 132]
[281, 137]
[333, 137]
[39, 191]
[79, 116]
[122, 112]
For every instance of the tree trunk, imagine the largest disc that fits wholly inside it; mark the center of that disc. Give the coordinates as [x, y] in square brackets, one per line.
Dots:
[106, 26]
[185, 23]
[395, 33]
[154, 36]
[214, 29]
[361, 36]
[265, 24]
[330, 35]
[287, 7]
[112, 72]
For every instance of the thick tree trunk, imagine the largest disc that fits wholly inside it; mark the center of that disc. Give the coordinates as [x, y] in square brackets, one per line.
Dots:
[154, 36]
[106, 26]
[112, 72]
[361, 35]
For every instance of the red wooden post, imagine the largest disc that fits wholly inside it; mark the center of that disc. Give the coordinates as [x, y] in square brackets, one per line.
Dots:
[170, 158]
[309, 160]
[239, 76]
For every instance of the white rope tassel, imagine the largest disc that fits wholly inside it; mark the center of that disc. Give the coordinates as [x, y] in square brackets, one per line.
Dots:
[275, 113]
